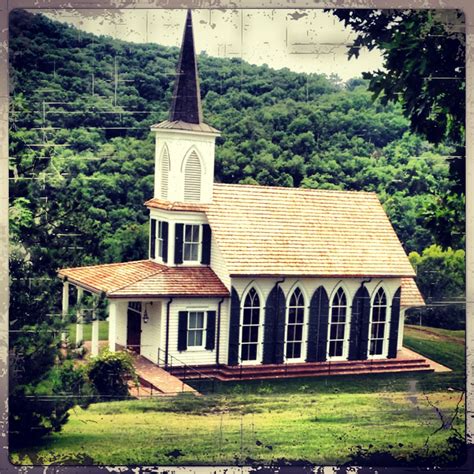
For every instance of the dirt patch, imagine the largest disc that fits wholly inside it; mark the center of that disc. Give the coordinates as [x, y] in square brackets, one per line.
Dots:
[434, 336]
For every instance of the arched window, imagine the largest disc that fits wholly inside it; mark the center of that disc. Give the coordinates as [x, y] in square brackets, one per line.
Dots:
[378, 324]
[337, 324]
[294, 325]
[249, 339]
[164, 170]
[192, 178]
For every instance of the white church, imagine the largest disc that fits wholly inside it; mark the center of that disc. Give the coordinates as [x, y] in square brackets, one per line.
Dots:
[252, 280]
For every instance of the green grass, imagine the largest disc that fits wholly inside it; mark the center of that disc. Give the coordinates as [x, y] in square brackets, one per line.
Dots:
[320, 428]
[318, 420]
[103, 331]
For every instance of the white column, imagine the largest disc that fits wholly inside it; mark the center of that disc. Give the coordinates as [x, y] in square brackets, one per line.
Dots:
[112, 325]
[95, 334]
[79, 319]
[401, 327]
[65, 307]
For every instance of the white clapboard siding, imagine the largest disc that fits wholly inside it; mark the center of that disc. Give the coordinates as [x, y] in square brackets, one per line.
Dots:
[151, 331]
[191, 356]
[164, 166]
[192, 178]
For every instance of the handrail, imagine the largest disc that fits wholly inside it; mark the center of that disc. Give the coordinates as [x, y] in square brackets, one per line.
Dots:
[185, 366]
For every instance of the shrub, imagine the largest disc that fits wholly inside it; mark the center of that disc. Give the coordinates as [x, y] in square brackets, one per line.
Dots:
[441, 279]
[109, 374]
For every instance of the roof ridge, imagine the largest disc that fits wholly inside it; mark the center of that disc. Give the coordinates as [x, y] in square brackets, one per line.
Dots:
[103, 265]
[293, 188]
[159, 270]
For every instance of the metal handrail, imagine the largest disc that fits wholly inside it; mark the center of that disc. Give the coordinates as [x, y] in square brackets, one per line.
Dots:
[185, 366]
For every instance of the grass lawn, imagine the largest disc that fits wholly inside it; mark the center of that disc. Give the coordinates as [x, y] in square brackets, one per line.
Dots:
[320, 420]
[103, 331]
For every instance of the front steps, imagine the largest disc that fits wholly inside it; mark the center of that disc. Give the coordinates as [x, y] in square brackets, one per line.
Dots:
[306, 369]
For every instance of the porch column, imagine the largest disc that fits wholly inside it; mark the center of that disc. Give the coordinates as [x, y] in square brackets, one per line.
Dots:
[65, 308]
[79, 319]
[401, 327]
[112, 325]
[95, 334]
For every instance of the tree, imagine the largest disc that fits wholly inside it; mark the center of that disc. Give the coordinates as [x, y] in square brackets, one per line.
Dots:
[424, 61]
[441, 279]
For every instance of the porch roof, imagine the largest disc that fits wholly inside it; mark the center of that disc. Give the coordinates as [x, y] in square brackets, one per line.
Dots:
[146, 279]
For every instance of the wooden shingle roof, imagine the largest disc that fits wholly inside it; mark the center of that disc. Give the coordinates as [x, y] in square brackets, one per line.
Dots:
[145, 278]
[411, 295]
[270, 231]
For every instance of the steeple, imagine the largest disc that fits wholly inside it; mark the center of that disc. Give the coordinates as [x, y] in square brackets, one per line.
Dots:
[185, 145]
[186, 104]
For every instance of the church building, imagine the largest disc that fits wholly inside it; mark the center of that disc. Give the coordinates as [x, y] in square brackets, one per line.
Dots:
[257, 281]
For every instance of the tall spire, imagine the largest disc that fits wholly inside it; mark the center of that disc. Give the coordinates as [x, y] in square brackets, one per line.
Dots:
[186, 104]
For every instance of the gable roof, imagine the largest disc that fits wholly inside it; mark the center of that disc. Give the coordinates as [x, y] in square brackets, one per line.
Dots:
[411, 295]
[270, 231]
[145, 278]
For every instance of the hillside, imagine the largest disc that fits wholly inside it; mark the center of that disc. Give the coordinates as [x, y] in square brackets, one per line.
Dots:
[82, 106]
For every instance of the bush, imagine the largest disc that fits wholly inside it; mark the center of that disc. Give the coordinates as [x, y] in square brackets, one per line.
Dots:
[109, 374]
[441, 279]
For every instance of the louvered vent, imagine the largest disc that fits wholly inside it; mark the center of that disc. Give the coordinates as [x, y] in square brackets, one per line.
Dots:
[165, 166]
[192, 178]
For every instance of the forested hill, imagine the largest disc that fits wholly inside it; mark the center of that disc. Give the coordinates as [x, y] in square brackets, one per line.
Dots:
[81, 110]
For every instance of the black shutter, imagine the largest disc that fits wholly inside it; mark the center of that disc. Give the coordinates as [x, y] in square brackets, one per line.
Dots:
[269, 328]
[234, 328]
[182, 330]
[211, 330]
[318, 326]
[178, 243]
[152, 238]
[206, 244]
[164, 229]
[394, 325]
[280, 326]
[359, 331]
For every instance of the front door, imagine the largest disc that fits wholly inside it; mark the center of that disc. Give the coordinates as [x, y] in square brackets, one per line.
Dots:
[134, 323]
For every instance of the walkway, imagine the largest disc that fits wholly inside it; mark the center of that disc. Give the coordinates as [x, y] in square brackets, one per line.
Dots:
[155, 380]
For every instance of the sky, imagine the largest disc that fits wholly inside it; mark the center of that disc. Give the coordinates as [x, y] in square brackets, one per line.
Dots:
[310, 40]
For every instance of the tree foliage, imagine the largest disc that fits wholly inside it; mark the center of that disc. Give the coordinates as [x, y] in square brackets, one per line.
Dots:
[424, 70]
[441, 279]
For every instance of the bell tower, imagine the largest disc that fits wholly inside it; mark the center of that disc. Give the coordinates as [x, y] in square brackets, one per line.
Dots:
[184, 152]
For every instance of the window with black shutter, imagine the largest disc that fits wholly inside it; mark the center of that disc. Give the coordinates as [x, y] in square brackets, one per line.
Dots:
[152, 238]
[182, 330]
[178, 244]
[165, 241]
[206, 244]
[211, 331]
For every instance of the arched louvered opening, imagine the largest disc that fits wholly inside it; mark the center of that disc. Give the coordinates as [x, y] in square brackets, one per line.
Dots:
[337, 325]
[192, 178]
[164, 171]
[378, 325]
[250, 328]
[295, 326]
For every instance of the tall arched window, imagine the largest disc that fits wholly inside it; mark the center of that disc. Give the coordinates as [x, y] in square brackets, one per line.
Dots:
[164, 170]
[337, 325]
[249, 339]
[378, 324]
[192, 178]
[295, 325]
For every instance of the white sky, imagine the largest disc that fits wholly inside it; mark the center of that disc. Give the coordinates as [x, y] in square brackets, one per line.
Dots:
[302, 40]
